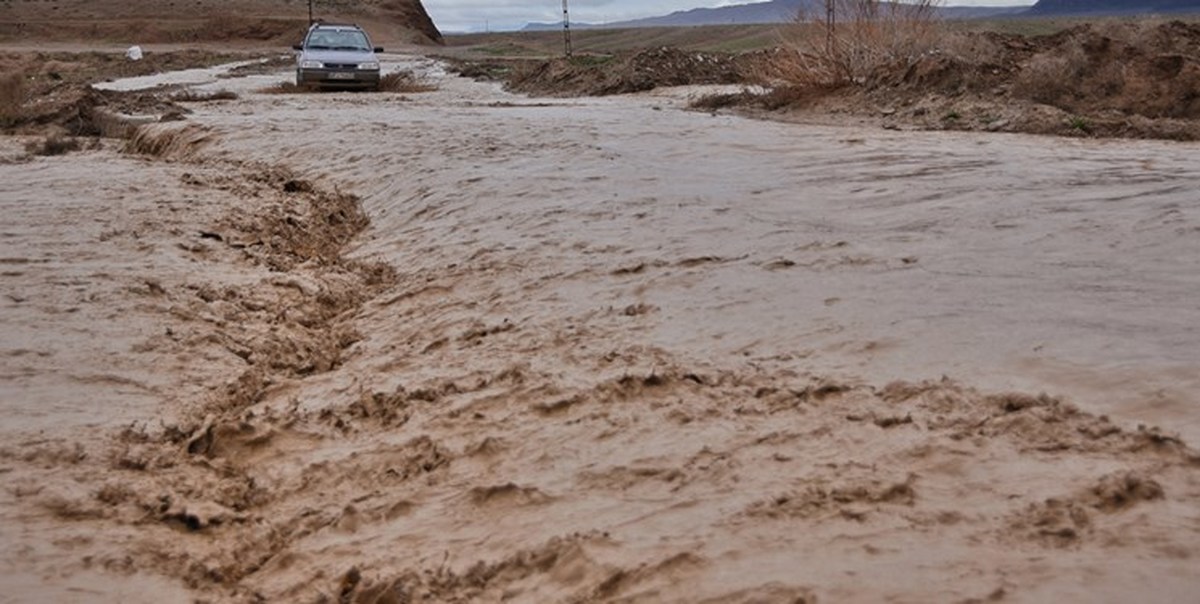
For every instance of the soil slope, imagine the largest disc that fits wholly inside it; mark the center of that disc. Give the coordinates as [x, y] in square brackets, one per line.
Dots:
[1123, 79]
[149, 21]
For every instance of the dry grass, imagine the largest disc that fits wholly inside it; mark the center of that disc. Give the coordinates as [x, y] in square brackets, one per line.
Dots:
[847, 40]
[12, 98]
[1055, 79]
[1143, 68]
[1049, 78]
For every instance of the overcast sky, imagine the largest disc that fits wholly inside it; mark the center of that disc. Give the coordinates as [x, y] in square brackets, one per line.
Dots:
[474, 15]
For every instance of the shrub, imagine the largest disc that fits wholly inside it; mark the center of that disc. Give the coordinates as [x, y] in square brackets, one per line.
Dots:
[12, 98]
[845, 41]
[1079, 124]
[53, 145]
[1048, 78]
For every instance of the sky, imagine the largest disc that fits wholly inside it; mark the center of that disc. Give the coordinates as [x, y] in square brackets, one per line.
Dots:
[478, 15]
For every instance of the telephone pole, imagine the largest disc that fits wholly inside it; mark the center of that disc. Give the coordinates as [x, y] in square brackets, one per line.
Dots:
[830, 24]
[566, 29]
[310, 18]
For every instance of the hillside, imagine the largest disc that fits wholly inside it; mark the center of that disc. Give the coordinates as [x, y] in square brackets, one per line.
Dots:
[149, 21]
[1113, 7]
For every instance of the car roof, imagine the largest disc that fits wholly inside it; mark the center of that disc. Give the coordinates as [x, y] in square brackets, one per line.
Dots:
[334, 26]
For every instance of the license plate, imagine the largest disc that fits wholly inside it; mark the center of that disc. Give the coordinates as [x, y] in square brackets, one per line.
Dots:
[339, 75]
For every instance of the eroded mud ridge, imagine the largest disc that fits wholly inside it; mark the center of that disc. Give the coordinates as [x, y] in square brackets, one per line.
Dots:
[284, 315]
[641, 487]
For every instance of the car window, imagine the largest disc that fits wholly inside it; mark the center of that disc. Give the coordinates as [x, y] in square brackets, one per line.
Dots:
[319, 41]
[338, 40]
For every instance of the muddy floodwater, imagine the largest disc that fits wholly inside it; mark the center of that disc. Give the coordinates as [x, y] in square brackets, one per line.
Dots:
[463, 345]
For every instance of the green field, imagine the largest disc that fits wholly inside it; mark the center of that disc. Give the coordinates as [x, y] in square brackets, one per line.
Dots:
[713, 38]
[726, 38]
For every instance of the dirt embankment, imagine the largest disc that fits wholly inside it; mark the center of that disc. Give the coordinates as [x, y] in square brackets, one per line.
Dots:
[51, 93]
[637, 72]
[252, 22]
[1119, 79]
[1137, 80]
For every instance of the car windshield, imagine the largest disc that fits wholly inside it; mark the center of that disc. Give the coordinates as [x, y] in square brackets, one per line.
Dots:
[338, 40]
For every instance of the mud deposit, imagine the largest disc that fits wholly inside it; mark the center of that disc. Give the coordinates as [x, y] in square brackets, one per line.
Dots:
[466, 346]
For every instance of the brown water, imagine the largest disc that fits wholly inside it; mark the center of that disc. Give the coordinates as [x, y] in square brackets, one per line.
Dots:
[631, 353]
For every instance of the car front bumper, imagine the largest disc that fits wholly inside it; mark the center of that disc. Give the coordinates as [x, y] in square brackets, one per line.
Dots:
[338, 78]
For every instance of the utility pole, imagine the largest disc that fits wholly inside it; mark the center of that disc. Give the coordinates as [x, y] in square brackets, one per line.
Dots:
[310, 19]
[566, 30]
[830, 24]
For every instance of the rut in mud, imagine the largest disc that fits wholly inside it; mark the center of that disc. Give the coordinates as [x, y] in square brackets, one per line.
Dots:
[292, 318]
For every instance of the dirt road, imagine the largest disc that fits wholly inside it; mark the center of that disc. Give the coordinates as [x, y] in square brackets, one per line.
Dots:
[627, 352]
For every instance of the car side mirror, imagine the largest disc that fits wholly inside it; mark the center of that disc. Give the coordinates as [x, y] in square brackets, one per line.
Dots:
[297, 47]
[378, 49]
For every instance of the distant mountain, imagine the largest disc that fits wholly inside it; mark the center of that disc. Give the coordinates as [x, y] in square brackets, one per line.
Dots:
[783, 11]
[982, 12]
[772, 11]
[1113, 7]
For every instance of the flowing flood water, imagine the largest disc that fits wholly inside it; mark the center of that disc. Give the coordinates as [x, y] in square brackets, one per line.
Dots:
[598, 350]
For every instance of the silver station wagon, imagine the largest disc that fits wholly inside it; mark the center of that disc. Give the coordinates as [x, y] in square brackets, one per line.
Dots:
[337, 56]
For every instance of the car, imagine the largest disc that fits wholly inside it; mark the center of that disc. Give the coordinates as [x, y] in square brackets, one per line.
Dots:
[337, 56]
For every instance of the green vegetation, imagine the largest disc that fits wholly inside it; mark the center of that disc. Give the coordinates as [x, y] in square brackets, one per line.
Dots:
[714, 38]
[1078, 123]
[1020, 27]
[709, 38]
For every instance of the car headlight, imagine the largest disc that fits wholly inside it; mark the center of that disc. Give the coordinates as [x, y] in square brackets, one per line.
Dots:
[311, 64]
[372, 66]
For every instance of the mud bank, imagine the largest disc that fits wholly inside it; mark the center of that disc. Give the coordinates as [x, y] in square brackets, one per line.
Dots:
[623, 353]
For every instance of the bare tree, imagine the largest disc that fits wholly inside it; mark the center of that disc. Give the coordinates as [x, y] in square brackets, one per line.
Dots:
[860, 36]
